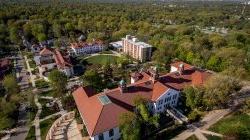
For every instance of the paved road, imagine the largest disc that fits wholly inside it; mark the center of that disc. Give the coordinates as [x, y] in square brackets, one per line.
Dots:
[197, 128]
[22, 77]
[22, 131]
[23, 81]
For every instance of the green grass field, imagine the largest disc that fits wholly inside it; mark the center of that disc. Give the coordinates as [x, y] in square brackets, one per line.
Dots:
[236, 125]
[102, 59]
[45, 126]
[193, 137]
[31, 135]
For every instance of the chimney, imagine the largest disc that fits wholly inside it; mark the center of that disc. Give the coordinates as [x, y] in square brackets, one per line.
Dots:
[154, 74]
[181, 68]
[123, 86]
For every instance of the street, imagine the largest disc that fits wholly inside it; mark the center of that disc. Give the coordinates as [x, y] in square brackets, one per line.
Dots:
[23, 81]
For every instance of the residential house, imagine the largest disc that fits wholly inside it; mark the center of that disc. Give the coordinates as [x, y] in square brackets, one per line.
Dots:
[49, 59]
[5, 65]
[100, 112]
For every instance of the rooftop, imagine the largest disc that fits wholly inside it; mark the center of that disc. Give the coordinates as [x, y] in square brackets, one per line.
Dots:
[101, 112]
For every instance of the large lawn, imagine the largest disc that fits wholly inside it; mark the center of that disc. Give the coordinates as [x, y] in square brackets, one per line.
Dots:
[236, 125]
[102, 59]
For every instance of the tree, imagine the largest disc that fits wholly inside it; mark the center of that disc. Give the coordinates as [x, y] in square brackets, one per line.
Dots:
[41, 37]
[93, 79]
[130, 126]
[219, 89]
[217, 40]
[164, 53]
[95, 36]
[59, 82]
[143, 112]
[10, 84]
[194, 96]
[14, 35]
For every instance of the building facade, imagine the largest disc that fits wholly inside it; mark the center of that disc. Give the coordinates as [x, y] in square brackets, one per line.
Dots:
[136, 49]
[82, 48]
[100, 112]
[49, 59]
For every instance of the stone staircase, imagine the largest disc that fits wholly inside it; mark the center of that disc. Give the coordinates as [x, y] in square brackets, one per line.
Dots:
[64, 128]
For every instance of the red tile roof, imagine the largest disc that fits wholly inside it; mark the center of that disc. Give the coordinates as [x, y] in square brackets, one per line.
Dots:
[61, 60]
[177, 64]
[85, 44]
[99, 118]
[46, 51]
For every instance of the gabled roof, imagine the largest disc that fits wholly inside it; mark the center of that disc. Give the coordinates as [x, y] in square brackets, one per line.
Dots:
[100, 117]
[178, 63]
[61, 61]
[46, 51]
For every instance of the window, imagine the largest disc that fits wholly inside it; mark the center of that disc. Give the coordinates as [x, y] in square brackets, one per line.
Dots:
[111, 132]
[100, 137]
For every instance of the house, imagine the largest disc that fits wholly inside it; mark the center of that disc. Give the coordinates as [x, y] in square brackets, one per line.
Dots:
[82, 48]
[49, 59]
[136, 49]
[100, 112]
[5, 65]
[35, 48]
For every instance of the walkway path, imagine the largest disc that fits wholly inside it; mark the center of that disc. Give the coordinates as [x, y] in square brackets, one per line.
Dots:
[37, 120]
[29, 70]
[96, 54]
[198, 128]
[65, 127]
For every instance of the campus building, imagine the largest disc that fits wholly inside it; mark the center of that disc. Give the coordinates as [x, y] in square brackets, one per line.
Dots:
[49, 59]
[136, 49]
[100, 112]
[82, 48]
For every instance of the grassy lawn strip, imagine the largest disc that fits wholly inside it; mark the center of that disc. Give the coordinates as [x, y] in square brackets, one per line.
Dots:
[46, 111]
[32, 113]
[47, 93]
[32, 134]
[169, 133]
[42, 83]
[32, 64]
[193, 137]
[102, 59]
[236, 126]
[45, 126]
[210, 137]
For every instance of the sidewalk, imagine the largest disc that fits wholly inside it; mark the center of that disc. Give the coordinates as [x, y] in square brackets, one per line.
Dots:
[37, 120]
[29, 70]
[198, 129]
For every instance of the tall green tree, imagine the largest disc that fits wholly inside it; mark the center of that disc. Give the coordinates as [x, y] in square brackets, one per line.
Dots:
[10, 84]
[130, 126]
[218, 90]
[93, 79]
[58, 81]
[194, 97]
